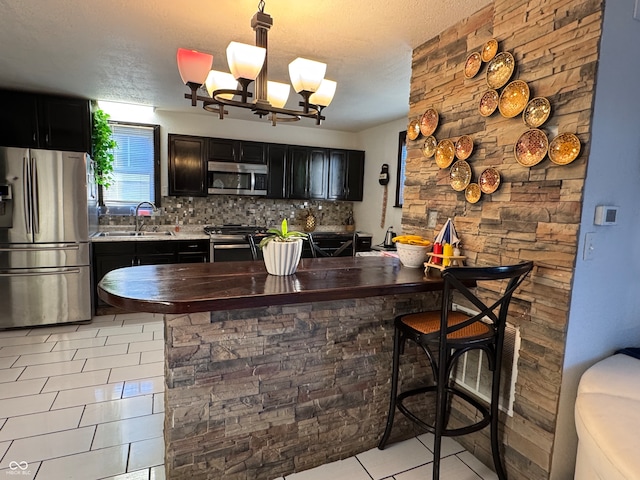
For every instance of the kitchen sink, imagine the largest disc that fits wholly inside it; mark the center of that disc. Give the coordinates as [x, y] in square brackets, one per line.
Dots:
[127, 233]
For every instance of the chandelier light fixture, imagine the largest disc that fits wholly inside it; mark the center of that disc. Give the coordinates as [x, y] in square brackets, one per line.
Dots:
[248, 65]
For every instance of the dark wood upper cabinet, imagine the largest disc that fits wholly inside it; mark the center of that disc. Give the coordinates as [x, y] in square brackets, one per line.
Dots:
[355, 176]
[225, 150]
[44, 121]
[187, 165]
[277, 165]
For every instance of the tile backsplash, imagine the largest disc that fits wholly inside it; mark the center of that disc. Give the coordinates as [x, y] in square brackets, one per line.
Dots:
[220, 209]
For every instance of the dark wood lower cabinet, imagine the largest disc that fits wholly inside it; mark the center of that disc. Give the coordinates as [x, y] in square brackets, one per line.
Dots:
[109, 256]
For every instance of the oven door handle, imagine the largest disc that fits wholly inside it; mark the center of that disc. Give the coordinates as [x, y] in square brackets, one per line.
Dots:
[218, 246]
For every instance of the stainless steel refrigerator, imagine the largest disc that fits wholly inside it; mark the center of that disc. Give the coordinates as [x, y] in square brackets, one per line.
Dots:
[48, 208]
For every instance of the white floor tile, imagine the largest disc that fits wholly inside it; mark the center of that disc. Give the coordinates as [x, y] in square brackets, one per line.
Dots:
[4, 446]
[49, 446]
[10, 374]
[102, 351]
[12, 407]
[23, 340]
[151, 345]
[10, 351]
[152, 356]
[85, 466]
[348, 469]
[39, 423]
[137, 475]
[126, 431]
[21, 470]
[136, 318]
[395, 458]
[79, 343]
[61, 368]
[131, 338]
[77, 380]
[6, 362]
[449, 445]
[18, 332]
[155, 326]
[44, 358]
[138, 371]
[101, 322]
[146, 453]
[117, 410]
[477, 466]
[158, 403]
[88, 395]
[119, 331]
[157, 473]
[451, 468]
[72, 336]
[143, 386]
[53, 329]
[112, 361]
[158, 335]
[22, 388]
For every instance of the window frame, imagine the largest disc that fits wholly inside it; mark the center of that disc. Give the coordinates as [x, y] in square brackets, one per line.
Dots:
[156, 161]
[401, 167]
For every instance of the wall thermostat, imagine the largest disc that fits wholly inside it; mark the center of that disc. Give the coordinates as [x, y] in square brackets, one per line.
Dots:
[606, 215]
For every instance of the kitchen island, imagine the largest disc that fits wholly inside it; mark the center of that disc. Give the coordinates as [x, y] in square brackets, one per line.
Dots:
[270, 375]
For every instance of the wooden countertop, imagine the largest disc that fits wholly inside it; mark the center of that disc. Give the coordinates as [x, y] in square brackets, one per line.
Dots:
[202, 287]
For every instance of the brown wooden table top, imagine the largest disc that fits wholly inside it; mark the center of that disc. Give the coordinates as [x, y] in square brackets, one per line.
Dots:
[202, 287]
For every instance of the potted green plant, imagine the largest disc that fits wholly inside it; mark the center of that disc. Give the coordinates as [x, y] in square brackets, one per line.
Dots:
[102, 145]
[281, 249]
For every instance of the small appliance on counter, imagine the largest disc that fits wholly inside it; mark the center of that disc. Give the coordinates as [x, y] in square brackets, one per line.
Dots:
[388, 238]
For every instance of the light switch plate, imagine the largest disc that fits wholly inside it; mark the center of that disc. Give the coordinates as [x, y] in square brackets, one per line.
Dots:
[432, 219]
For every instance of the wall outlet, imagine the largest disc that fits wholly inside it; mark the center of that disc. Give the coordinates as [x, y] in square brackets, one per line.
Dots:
[432, 219]
[589, 246]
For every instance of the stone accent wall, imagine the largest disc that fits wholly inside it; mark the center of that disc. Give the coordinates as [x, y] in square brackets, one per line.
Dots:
[265, 392]
[535, 214]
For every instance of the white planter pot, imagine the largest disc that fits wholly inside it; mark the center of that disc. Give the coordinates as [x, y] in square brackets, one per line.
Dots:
[281, 258]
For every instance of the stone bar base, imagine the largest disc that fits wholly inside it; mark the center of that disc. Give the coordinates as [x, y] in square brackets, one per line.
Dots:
[265, 392]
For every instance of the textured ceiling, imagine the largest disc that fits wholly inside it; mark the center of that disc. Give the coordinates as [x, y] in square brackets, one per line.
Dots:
[124, 50]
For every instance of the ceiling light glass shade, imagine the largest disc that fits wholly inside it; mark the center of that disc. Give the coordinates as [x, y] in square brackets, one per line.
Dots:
[245, 61]
[324, 94]
[221, 81]
[278, 93]
[306, 75]
[193, 66]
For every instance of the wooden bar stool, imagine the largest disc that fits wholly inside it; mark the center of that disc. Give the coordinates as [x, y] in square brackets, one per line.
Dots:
[462, 333]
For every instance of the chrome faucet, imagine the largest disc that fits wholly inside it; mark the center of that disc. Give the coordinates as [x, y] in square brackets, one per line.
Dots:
[138, 223]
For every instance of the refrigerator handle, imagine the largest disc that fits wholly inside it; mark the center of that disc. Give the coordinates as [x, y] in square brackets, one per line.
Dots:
[34, 197]
[26, 189]
[65, 271]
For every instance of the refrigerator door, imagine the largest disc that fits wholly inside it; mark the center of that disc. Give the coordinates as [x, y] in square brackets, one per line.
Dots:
[14, 172]
[43, 296]
[59, 196]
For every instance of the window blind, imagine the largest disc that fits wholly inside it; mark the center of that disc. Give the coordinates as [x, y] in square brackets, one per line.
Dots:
[133, 168]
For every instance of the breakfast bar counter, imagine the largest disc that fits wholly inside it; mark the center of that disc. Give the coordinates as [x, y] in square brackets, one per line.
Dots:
[269, 375]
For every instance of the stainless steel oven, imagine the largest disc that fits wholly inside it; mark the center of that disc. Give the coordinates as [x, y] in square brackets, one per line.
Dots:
[228, 243]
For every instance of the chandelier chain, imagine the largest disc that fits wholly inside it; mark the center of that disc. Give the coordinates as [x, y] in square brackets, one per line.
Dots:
[261, 6]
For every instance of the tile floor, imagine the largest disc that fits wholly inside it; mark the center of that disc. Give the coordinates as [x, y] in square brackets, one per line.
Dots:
[85, 402]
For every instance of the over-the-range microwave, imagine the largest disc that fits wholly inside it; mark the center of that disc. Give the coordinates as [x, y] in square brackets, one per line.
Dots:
[236, 178]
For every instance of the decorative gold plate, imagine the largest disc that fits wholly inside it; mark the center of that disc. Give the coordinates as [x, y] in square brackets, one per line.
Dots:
[413, 130]
[564, 149]
[472, 65]
[489, 50]
[429, 122]
[513, 98]
[500, 69]
[445, 152]
[536, 112]
[531, 147]
[429, 147]
[488, 102]
[464, 147]
[489, 180]
[472, 193]
[460, 175]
